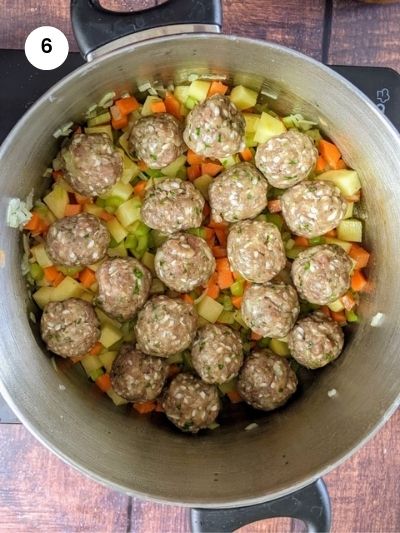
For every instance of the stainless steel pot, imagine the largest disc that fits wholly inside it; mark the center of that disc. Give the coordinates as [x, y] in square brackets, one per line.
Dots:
[292, 447]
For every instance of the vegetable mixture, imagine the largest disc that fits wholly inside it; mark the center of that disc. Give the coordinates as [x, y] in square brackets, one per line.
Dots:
[194, 248]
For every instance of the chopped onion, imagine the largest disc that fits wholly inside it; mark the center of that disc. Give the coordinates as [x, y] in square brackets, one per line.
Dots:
[332, 393]
[64, 130]
[377, 320]
[108, 99]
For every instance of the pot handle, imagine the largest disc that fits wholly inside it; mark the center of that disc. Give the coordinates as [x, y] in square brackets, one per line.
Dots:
[311, 505]
[95, 28]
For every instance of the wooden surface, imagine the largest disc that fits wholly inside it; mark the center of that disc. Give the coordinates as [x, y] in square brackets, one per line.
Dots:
[37, 491]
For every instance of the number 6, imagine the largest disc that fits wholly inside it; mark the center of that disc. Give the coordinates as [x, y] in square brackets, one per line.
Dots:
[46, 46]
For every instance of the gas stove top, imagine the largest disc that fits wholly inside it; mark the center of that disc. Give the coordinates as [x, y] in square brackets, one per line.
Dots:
[22, 84]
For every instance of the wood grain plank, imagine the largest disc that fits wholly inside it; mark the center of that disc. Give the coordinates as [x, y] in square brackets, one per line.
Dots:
[365, 34]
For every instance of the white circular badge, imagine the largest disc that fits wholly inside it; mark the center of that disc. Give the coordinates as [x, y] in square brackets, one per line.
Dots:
[46, 48]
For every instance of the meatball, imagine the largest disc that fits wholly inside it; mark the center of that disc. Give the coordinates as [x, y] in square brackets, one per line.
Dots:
[271, 309]
[316, 340]
[138, 377]
[165, 326]
[184, 262]
[266, 380]
[78, 240]
[124, 286]
[69, 328]
[286, 159]
[217, 353]
[238, 193]
[173, 205]
[157, 139]
[255, 250]
[190, 403]
[321, 274]
[313, 208]
[91, 164]
[215, 128]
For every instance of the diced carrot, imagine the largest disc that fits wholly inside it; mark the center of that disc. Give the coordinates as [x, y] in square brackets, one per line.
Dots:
[53, 275]
[218, 225]
[87, 277]
[360, 256]
[358, 281]
[144, 407]
[325, 309]
[301, 241]
[321, 164]
[82, 200]
[206, 210]
[173, 370]
[255, 336]
[140, 188]
[212, 286]
[96, 349]
[172, 105]
[187, 298]
[339, 317]
[332, 233]
[33, 223]
[193, 158]
[120, 123]
[105, 215]
[127, 105]
[234, 396]
[348, 301]
[340, 164]
[329, 152]
[72, 209]
[219, 251]
[158, 107]
[104, 382]
[274, 206]
[193, 172]
[222, 235]
[225, 279]
[246, 154]
[354, 197]
[223, 265]
[217, 87]
[142, 166]
[237, 301]
[57, 174]
[212, 169]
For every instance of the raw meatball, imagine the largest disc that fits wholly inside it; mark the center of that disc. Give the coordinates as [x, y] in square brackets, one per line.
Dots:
[173, 205]
[313, 208]
[157, 140]
[321, 274]
[286, 159]
[266, 380]
[271, 309]
[215, 128]
[165, 326]
[184, 262]
[238, 193]
[124, 286]
[316, 340]
[69, 328]
[217, 353]
[138, 377]
[78, 240]
[91, 164]
[255, 250]
[190, 403]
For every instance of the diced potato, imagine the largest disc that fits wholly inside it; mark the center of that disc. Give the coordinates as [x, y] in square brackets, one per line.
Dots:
[40, 255]
[91, 363]
[120, 190]
[118, 400]
[109, 335]
[43, 296]
[209, 309]
[117, 231]
[131, 170]
[350, 209]
[146, 109]
[336, 306]
[243, 98]
[64, 185]
[148, 261]
[181, 93]
[202, 183]
[100, 119]
[346, 180]
[268, 127]
[345, 245]
[68, 288]
[252, 121]
[173, 168]
[57, 200]
[279, 347]
[249, 140]
[100, 129]
[350, 230]
[107, 359]
[128, 212]
[117, 251]
[198, 90]
[105, 319]
[93, 209]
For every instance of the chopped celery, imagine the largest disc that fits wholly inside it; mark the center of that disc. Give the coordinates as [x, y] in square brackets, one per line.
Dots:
[117, 251]
[131, 170]
[109, 335]
[243, 98]
[239, 319]
[226, 317]
[40, 255]
[314, 134]
[129, 212]
[157, 286]
[150, 100]
[172, 169]
[191, 102]
[36, 271]
[108, 99]
[250, 141]
[294, 252]
[175, 359]
[91, 363]
[252, 120]
[93, 209]
[230, 161]
[128, 333]
[70, 270]
[142, 245]
[114, 202]
[139, 228]
[345, 245]
[228, 386]
[100, 129]
[289, 244]
[148, 261]
[350, 230]
[199, 232]
[107, 359]
[130, 241]
[99, 120]
[351, 316]
[346, 180]
[336, 306]
[279, 347]
[264, 342]
[123, 142]
[100, 202]
[349, 211]
[198, 90]
[227, 302]
[202, 184]
[237, 288]
[181, 93]
[120, 190]
[314, 241]
[298, 121]
[117, 231]
[272, 218]
[118, 400]
[87, 297]
[209, 309]
[105, 319]
[96, 374]
[158, 237]
[268, 127]
[57, 200]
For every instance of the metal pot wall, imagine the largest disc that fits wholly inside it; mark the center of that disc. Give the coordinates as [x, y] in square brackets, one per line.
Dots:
[292, 447]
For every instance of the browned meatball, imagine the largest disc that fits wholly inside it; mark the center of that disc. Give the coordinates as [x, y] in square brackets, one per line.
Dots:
[69, 328]
[316, 340]
[91, 163]
[138, 377]
[266, 380]
[77, 241]
[124, 286]
[321, 274]
[157, 139]
[190, 403]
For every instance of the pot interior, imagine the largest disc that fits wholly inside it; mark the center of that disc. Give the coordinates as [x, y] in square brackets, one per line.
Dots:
[290, 447]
